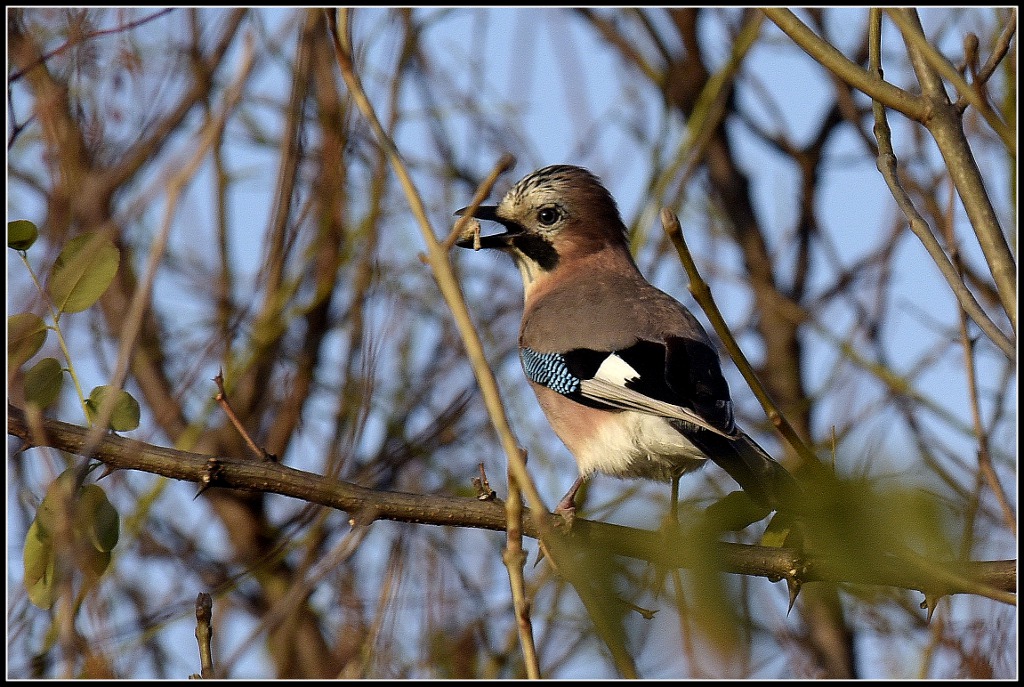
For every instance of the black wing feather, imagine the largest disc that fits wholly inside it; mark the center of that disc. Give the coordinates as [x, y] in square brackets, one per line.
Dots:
[687, 373]
[680, 371]
[694, 373]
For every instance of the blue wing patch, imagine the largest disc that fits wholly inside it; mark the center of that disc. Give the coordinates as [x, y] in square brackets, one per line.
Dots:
[550, 370]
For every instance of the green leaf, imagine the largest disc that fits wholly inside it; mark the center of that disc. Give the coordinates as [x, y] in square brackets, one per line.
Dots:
[25, 336]
[778, 531]
[43, 382]
[96, 528]
[21, 234]
[40, 566]
[93, 564]
[126, 409]
[83, 271]
[97, 518]
[861, 522]
[38, 545]
[53, 502]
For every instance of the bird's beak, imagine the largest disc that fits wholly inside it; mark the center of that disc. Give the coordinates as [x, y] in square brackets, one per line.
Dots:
[488, 212]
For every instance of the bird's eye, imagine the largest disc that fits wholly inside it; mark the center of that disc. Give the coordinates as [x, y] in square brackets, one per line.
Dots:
[548, 216]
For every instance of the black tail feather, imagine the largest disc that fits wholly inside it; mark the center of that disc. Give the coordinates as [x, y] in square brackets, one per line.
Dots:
[760, 475]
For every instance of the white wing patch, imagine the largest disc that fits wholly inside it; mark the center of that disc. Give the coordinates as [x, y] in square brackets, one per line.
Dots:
[615, 370]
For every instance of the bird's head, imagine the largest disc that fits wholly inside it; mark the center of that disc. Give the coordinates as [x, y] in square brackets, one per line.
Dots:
[556, 213]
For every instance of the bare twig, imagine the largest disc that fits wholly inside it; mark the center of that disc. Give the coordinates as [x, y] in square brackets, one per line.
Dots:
[702, 294]
[204, 634]
[912, 33]
[987, 471]
[825, 53]
[886, 163]
[77, 40]
[504, 164]
[439, 261]
[437, 255]
[175, 187]
[225, 404]
[999, 50]
[514, 558]
[483, 486]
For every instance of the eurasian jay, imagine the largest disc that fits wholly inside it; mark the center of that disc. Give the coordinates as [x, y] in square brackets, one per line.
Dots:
[625, 374]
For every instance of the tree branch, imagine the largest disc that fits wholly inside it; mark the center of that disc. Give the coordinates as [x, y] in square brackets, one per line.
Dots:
[993, 579]
[829, 57]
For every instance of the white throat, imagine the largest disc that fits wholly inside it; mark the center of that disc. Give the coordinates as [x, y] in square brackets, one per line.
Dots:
[530, 271]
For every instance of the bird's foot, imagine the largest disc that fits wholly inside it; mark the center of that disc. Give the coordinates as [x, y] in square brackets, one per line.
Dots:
[567, 509]
[567, 506]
